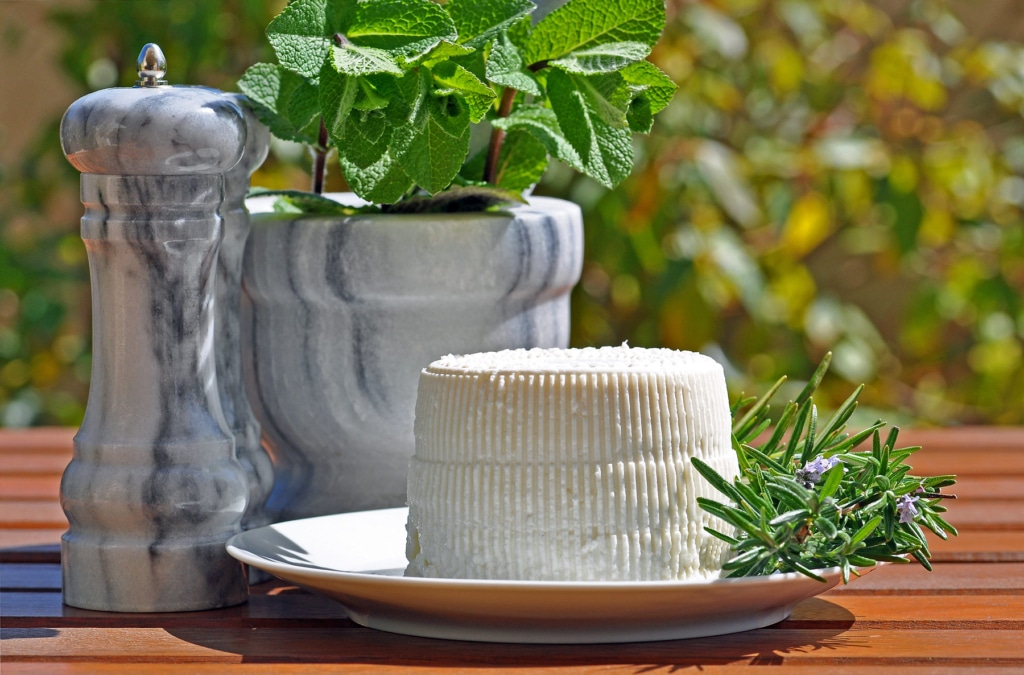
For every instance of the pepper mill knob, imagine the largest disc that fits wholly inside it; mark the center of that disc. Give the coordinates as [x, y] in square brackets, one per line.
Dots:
[152, 65]
[153, 129]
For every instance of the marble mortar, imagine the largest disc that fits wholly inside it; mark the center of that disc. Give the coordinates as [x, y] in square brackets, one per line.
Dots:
[341, 314]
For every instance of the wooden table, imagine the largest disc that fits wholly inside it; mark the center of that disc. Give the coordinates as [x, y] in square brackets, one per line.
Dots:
[966, 616]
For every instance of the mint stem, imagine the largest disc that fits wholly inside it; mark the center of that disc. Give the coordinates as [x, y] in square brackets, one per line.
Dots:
[320, 159]
[508, 97]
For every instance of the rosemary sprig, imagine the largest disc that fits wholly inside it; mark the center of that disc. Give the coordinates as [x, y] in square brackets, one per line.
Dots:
[806, 499]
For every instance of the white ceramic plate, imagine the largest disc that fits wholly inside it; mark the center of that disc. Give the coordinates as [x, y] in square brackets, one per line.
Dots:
[358, 559]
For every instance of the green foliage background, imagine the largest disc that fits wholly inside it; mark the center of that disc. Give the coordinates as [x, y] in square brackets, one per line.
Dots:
[830, 176]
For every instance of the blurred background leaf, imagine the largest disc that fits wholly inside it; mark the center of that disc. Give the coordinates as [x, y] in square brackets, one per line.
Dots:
[836, 175]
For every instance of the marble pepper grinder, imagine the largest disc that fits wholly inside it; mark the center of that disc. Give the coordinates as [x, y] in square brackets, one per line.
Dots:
[154, 488]
[237, 413]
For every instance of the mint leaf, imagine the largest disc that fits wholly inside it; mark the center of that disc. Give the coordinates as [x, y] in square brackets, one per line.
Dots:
[283, 101]
[519, 32]
[444, 51]
[339, 15]
[398, 83]
[640, 116]
[338, 93]
[353, 59]
[370, 167]
[640, 89]
[407, 28]
[297, 201]
[472, 172]
[370, 125]
[594, 126]
[658, 88]
[404, 94]
[613, 89]
[543, 124]
[456, 79]
[435, 153]
[299, 36]
[505, 67]
[364, 150]
[521, 162]
[606, 95]
[605, 58]
[468, 199]
[382, 182]
[368, 97]
[584, 24]
[477, 22]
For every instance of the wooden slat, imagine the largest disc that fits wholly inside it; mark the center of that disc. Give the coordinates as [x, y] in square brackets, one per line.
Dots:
[18, 546]
[987, 488]
[42, 488]
[356, 646]
[965, 439]
[17, 513]
[25, 545]
[995, 611]
[971, 439]
[983, 463]
[979, 547]
[29, 576]
[966, 616]
[41, 439]
[13, 539]
[46, 577]
[28, 463]
[93, 668]
[972, 612]
[909, 579]
[35, 609]
[945, 447]
[973, 451]
[978, 516]
[946, 578]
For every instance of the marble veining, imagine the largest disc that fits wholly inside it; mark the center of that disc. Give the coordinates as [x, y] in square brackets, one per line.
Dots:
[153, 131]
[341, 314]
[237, 413]
[154, 488]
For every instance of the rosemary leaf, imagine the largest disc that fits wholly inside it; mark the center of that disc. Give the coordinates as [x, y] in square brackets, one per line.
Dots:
[807, 499]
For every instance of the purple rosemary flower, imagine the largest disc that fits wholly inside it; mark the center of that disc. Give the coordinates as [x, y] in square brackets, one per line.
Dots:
[811, 474]
[906, 509]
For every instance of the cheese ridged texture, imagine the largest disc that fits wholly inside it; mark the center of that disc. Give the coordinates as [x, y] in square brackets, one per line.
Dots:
[567, 465]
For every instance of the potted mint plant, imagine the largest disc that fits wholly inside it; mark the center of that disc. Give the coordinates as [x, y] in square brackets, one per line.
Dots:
[347, 297]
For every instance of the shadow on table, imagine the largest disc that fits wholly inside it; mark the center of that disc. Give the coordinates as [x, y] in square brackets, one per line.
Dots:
[277, 548]
[34, 553]
[344, 642]
[27, 633]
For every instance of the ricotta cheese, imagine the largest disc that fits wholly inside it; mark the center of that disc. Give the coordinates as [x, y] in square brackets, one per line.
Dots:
[568, 465]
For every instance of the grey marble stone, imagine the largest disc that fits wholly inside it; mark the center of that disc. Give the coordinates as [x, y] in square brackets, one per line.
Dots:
[237, 412]
[153, 131]
[340, 315]
[154, 488]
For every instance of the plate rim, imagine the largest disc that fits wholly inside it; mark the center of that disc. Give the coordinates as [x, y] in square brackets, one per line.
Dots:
[246, 556]
[468, 609]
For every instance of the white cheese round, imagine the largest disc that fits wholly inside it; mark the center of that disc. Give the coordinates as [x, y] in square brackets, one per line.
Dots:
[568, 465]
